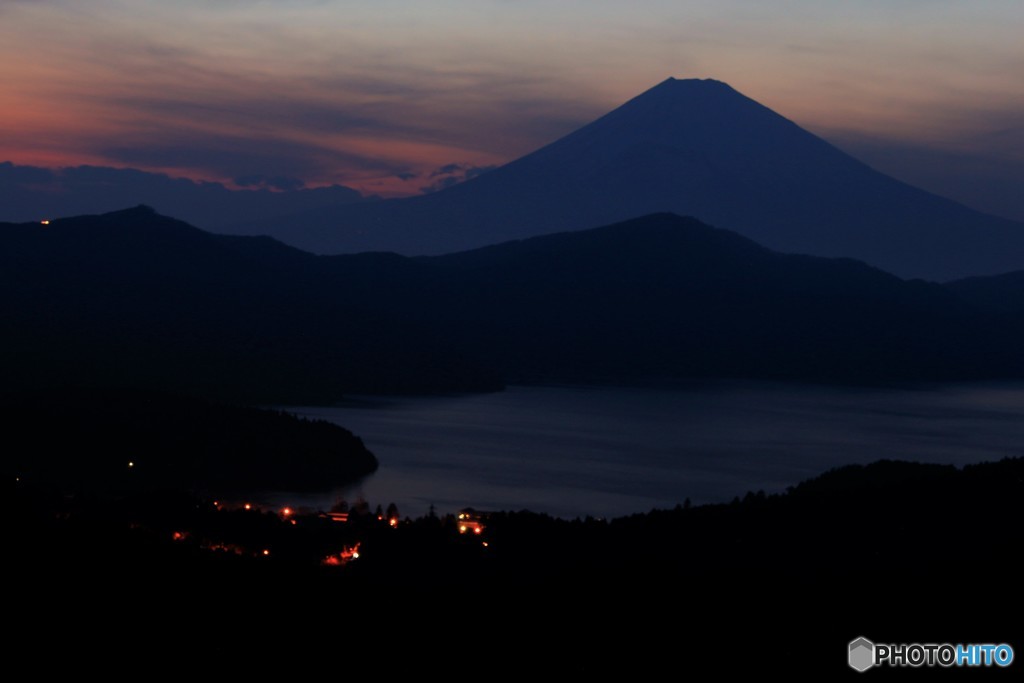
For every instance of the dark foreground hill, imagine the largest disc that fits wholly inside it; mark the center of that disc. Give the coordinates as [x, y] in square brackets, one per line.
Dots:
[896, 552]
[135, 299]
[695, 148]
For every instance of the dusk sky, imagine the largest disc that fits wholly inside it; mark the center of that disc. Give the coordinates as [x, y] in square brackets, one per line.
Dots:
[378, 95]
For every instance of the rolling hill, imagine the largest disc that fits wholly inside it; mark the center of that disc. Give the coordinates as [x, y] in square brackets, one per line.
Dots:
[134, 299]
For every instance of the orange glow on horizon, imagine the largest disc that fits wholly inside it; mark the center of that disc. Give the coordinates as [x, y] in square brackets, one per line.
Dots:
[343, 93]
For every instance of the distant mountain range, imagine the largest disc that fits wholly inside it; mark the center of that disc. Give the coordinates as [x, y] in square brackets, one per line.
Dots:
[32, 193]
[692, 147]
[136, 299]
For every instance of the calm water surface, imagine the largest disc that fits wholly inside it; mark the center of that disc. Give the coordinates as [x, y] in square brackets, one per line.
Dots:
[572, 451]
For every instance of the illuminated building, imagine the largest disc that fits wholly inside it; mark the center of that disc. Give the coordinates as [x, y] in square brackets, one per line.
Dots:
[471, 521]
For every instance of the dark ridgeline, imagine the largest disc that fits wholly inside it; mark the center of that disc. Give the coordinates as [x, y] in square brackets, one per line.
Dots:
[664, 296]
[695, 148]
[133, 299]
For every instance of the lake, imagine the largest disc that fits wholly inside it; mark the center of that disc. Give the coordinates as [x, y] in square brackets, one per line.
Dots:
[605, 452]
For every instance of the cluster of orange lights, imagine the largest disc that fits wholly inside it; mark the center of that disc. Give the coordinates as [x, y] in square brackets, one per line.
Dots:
[470, 523]
[287, 513]
[346, 555]
[222, 547]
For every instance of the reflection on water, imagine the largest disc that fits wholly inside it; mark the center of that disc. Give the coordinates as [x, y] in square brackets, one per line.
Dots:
[612, 451]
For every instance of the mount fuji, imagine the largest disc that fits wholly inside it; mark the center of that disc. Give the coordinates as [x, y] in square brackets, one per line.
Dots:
[691, 147]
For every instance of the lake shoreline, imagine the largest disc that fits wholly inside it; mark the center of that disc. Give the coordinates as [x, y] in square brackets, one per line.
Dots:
[574, 450]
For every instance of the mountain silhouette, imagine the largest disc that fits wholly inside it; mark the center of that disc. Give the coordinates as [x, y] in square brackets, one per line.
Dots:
[692, 147]
[133, 299]
[668, 297]
[30, 193]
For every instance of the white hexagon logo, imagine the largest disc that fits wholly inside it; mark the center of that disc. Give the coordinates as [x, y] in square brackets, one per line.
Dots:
[862, 654]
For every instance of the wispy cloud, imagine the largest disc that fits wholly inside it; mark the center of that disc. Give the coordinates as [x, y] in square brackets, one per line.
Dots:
[452, 174]
[381, 94]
